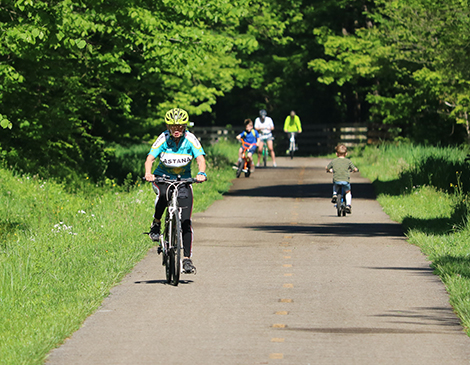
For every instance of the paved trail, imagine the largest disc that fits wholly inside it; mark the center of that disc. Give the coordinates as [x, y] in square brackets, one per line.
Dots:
[281, 280]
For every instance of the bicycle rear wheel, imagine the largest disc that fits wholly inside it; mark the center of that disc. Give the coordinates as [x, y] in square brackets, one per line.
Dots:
[291, 150]
[339, 205]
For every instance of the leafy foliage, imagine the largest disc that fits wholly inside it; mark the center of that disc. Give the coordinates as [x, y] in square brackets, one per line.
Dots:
[412, 56]
[76, 74]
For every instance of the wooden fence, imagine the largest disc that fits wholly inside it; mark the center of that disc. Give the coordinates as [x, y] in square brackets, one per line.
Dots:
[314, 140]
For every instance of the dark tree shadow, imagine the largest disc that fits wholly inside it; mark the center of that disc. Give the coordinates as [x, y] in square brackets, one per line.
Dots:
[337, 229]
[360, 191]
[162, 282]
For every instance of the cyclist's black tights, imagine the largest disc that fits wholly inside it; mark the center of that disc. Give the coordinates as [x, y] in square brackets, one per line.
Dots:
[185, 200]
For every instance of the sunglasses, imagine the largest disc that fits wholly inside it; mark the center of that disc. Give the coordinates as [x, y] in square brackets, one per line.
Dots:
[177, 127]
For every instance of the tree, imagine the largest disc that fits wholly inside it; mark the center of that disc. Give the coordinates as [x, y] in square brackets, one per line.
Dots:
[78, 74]
[412, 58]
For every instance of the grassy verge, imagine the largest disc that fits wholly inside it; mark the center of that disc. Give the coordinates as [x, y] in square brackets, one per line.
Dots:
[61, 252]
[426, 189]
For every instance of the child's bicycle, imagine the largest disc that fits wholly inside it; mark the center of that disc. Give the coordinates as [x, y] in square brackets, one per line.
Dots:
[171, 241]
[340, 205]
[244, 165]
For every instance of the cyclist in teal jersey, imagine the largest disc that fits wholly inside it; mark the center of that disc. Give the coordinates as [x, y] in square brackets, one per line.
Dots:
[176, 148]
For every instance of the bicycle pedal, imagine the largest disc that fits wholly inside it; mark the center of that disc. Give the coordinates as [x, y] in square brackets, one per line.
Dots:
[245, 170]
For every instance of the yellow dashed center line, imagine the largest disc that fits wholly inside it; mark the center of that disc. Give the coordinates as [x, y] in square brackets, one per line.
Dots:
[279, 325]
[288, 286]
[277, 339]
[276, 356]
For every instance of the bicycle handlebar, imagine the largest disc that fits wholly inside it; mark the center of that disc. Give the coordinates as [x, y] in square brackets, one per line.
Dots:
[166, 179]
[330, 171]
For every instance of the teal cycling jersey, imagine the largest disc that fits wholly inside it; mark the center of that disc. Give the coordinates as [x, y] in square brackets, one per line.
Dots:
[175, 159]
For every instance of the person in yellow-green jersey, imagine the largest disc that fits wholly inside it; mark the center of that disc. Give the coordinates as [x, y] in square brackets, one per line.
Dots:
[292, 124]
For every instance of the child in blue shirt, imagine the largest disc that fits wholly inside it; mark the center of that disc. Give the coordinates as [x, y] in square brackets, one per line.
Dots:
[249, 137]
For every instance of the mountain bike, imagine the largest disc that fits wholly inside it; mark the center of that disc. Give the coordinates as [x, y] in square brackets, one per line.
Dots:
[244, 165]
[292, 147]
[171, 241]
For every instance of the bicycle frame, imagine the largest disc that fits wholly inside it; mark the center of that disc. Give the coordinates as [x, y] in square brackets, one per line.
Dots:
[171, 240]
[265, 151]
[341, 201]
[291, 144]
[243, 166]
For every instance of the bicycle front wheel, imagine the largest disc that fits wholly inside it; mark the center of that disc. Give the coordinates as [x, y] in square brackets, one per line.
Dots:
[265, 156]
[175, 252]
[240, 168]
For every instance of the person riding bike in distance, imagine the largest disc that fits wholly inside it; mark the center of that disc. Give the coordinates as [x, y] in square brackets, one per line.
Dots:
[176, 148]
[292, 124]
[265, 126]
[341, 168]
[251, 137]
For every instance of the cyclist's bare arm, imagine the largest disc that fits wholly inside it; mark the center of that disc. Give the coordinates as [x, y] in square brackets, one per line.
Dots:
[149, 176]
[201, 164]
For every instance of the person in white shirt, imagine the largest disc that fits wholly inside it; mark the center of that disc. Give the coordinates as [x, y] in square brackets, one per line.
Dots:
[265, 125]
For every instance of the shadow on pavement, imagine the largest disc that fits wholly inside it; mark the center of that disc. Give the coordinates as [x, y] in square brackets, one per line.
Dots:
[367, 331]
[426, 270]
[424, 316]
[162, 282]
[359, 190]
[338, 229]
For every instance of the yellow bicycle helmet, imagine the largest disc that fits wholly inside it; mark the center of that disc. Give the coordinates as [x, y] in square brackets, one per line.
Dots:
[177, 116]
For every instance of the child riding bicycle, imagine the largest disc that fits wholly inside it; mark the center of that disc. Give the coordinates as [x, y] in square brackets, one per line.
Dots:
[341, 168]
[176, 148]
[265, 126]
[249, 137]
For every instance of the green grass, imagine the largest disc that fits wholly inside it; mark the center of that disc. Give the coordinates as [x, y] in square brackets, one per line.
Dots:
[426, 189]
[61, 251]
